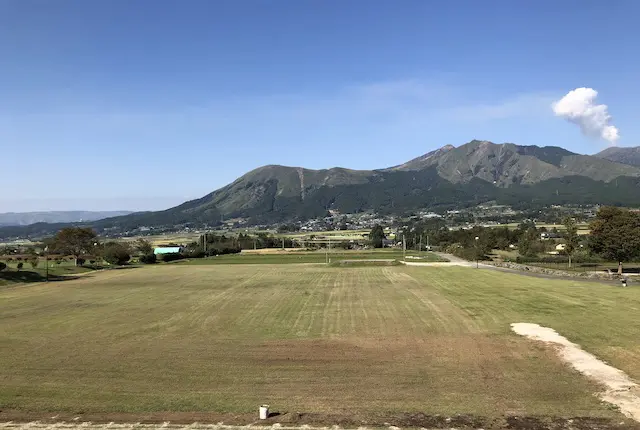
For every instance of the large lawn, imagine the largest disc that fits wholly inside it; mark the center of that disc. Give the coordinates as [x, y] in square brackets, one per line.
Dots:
[307, 338]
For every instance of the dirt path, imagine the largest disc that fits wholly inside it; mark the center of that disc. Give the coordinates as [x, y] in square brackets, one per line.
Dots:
[621, 390]
[453, 261]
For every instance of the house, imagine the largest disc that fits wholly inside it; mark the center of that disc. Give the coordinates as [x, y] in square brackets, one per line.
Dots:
[167, 250]
[549, 235]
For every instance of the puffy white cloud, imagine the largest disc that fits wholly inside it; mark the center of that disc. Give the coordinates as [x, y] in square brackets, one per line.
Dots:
[579, 107]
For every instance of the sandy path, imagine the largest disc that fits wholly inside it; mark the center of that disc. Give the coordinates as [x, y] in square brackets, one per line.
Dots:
[620, 389]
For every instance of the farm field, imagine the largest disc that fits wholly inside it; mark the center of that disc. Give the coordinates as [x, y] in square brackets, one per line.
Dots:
[307, 338]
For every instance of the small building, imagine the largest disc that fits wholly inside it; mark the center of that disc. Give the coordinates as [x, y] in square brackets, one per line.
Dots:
[167, 250]
[549, 235]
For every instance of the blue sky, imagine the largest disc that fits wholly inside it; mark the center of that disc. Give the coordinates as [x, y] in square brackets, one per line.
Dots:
[143, 104]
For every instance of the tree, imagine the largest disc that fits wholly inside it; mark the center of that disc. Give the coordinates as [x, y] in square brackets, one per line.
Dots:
[615, 235]
[144, 246]
[529, 243]
[377, 236]
[20, 265]
[116, 253]
[75, 241]
[2, 266]
[570, 237]
[33, 262]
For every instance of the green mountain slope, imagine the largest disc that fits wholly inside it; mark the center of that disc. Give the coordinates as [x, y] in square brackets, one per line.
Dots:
[449, 177]
[630, 156]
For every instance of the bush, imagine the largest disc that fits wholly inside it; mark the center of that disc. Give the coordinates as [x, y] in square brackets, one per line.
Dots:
[172, 257]
[196, 253]
[2, 266]
[79, 261]
[149, 259]
[34, 263]
[558, 259]
[20, 265]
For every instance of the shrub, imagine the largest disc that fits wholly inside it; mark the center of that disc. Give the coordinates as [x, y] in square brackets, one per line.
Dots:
[197, 253]
[172, 257]
[148, 259]
[2, 266]
[20, 265]
[79, 261]
[34, 263]
[558, 259]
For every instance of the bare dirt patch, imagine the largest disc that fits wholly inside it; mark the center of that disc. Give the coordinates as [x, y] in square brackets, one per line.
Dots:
[621, 390]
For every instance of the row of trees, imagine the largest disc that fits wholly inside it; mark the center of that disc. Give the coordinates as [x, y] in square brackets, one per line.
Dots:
[615, 236]
[83, 243]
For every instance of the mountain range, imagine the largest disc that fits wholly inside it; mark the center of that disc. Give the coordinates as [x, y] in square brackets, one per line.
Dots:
[449, 177]
[630, 156]
[27, 218]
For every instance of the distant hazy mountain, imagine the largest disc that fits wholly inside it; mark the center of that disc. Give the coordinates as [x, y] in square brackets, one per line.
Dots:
[27, 218]
[630, 156]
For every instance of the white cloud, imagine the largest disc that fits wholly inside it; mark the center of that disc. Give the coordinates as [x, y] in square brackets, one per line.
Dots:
[579, 107]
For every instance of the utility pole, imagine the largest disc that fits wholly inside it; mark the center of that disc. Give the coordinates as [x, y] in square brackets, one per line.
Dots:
[283, 243]
[420, 250]
[477, 256]
[254, 244]
[46, 262]
[404, 247]
[326, 255]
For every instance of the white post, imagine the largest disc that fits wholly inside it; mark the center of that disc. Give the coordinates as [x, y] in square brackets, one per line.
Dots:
[264, 412]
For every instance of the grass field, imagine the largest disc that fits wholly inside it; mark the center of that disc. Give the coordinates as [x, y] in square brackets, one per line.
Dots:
[307, 338]
[29, 274]
[296, 257]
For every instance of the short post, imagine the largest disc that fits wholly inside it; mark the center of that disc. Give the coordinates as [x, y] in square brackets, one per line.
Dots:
[264, 412]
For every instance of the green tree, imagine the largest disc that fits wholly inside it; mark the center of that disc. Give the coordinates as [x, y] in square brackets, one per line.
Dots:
[33, 262]
[570, 237]
[20, 266]
[376, 236]
[529, 243]
[2, 266]
[75, 241]
[615, 235]
[144, 246]
[116, 253]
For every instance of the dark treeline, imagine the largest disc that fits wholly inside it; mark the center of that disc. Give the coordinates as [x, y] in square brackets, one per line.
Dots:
[210, 244]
